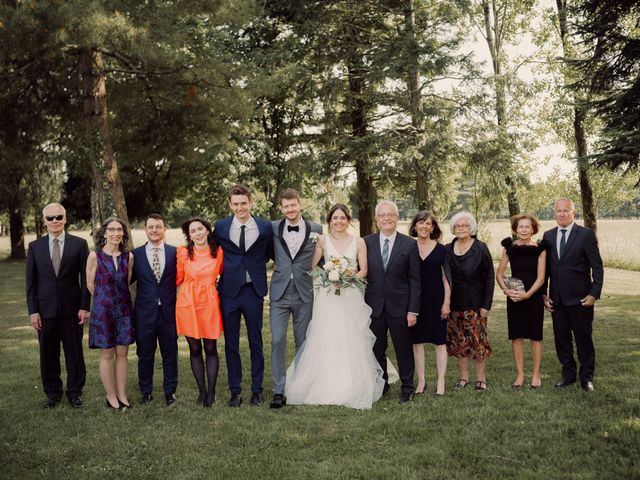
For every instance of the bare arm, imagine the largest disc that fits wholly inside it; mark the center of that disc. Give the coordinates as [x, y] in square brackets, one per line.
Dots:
[502, 266]
[131, 260]
[445, 310]
[361, 252]
[317, 254]
[92, 267]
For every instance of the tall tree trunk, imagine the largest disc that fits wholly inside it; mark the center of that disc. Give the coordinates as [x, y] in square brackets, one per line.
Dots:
[16, 227]
[107, 196]
[38, 222]
[579, 134]
[413, 86]
[364, 179]
[492, 24]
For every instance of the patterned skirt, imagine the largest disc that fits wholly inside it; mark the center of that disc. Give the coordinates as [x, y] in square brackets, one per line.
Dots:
[467, 335]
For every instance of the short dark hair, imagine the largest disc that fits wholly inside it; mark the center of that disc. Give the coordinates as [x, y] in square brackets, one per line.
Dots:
[213, 244]
[239, 189]
[98, 237]
[335, 208]
[521, 216]
[155, 216]
[290, 194]
[436, 232]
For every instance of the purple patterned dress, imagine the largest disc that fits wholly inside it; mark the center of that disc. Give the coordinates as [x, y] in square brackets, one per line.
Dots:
[111, 323]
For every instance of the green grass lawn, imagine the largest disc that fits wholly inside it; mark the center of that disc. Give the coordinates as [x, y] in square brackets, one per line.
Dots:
[542, 434]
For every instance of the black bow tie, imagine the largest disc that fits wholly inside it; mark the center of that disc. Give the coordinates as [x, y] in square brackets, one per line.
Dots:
[291, 228]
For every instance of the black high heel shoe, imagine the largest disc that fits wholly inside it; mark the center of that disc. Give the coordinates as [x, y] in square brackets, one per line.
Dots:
[124, 405]
[201, 398]
[111, 407]
[209, 400]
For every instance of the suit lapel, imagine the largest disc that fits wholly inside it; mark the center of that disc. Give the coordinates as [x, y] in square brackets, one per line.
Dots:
[394, 250]
[145, 261]
[45, 253]
[225, 233]
[307, 232]
[575, 231]
[282, 241]
[377, 256]
[553, 240]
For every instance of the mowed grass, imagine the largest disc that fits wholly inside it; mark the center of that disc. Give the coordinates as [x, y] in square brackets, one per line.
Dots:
[617, 239]
[528, 434]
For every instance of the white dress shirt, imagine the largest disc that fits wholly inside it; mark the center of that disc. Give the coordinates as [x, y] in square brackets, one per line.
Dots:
[391, 238]
[294, 239]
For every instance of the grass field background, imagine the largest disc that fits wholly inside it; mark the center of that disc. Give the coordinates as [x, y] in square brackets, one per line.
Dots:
[528, 434]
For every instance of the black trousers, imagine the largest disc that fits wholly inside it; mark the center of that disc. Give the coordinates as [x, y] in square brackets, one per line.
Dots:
[569, 323]
[402, 344]
[67, 331]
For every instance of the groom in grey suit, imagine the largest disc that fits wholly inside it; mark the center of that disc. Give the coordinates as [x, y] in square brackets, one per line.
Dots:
[291, 291]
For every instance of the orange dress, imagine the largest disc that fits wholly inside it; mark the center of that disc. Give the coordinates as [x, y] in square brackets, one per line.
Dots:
[198, 305]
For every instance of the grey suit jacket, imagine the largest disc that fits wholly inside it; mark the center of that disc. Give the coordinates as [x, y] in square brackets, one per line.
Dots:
[297, 268]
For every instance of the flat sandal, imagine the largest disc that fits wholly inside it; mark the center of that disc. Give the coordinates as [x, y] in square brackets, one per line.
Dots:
[481, 385]
[461, 384]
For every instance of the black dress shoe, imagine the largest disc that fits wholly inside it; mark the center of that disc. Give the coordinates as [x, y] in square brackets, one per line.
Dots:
[170, 398]
[278, 401]
[235, 400]
[587, 386]
[76, 402]
[565, 383]
[406, 397]
[146, 399]
[51, 402]
[256, 399]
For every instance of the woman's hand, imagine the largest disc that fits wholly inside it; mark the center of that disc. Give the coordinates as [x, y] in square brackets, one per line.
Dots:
[484, 313]
[517, 296]
[445, 311]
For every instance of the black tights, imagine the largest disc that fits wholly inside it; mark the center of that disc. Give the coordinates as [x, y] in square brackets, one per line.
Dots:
[197, 366]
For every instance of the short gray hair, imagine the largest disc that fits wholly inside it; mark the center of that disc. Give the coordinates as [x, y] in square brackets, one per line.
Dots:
[53, 204]
[387, 202]
[459, 216]
[571, 204]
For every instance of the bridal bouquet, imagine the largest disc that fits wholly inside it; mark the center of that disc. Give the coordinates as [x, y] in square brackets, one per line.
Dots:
[339, 272]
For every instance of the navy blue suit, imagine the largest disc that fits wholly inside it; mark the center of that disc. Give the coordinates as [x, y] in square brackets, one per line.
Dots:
[247, 299]
[154, 314]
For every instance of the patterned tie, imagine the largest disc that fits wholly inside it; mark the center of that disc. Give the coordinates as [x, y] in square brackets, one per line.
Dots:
[385, 254]
[241, 243]
[55, 256]
[155, 264]
[563, 241]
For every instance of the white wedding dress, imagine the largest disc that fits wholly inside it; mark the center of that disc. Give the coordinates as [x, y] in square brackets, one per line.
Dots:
[336, 365]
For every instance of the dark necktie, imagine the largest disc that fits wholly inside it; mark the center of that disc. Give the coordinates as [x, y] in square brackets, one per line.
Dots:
[291, 228]
[563, 241]
[55, 256]
[241, 243]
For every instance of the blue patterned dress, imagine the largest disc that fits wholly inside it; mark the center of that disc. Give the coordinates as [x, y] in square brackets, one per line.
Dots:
[111, 323]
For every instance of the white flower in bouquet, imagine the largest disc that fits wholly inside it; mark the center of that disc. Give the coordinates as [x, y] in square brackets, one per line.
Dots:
[329, 266]
[334, 275]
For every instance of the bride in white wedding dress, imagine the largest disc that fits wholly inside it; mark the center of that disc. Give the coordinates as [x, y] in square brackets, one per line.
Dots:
[336, 365]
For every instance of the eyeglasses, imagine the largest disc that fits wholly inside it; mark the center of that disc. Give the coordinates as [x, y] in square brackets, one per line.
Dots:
[115, 230]
[462, 227]
[386, 215]
[51, 218]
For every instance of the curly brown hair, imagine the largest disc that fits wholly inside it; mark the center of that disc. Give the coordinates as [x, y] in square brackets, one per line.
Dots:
[211, 241]
[100, 241]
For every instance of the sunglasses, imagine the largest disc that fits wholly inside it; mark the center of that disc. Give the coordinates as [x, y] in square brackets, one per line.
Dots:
[51, 218]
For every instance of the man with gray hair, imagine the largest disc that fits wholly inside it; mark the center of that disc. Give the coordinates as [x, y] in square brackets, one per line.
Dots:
[574, 268]
[393, 293]
[58, 303]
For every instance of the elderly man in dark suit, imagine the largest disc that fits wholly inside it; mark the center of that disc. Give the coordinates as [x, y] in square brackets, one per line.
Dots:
[393, 293]
[247, 245]
[154, 311]
[574, 268]
[58, 303]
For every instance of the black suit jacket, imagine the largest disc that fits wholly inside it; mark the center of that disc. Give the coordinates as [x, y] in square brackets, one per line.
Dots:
[579, 272]
[398, 289]
[149, 291]
[64, 295]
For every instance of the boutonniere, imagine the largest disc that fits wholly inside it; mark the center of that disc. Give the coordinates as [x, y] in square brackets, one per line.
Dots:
[313, 236]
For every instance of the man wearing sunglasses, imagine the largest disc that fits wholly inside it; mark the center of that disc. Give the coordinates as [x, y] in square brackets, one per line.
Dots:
[58, 303]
